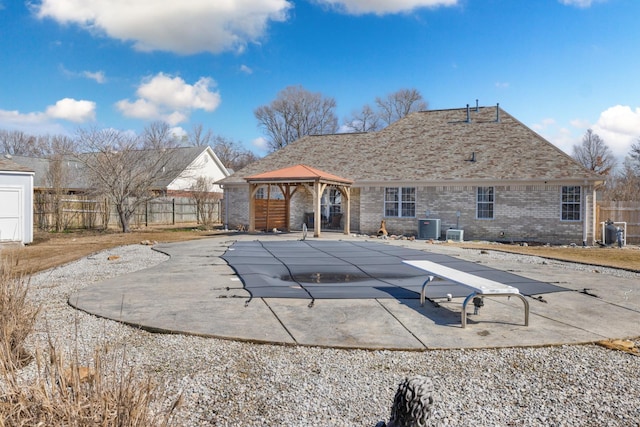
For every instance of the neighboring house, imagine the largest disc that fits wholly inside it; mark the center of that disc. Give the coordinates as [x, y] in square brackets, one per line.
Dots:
[191, 163]
[185, 166]
[16, 202]
[478, 169]
[64, 197]
[42, 168]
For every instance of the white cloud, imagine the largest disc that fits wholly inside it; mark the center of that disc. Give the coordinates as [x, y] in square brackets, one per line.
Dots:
[98, 76]
[502, 85]
[382, 7]
[245, 69]
[578, 3]
[39, 122]
[36, 123]
[561, 137]
[581, 3]
[543, 125]
[171, 99]
[138, 109]
[14, 118]
[580, 124]
[619, 127]
[261, 144]
[179, 132]
[184, 27]
[72, 110]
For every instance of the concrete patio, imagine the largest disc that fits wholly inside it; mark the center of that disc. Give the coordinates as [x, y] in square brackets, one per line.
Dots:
[196, 292]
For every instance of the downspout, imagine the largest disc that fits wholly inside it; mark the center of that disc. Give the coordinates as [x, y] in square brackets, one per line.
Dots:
[586, 217]
[584, 223]
[594, 210]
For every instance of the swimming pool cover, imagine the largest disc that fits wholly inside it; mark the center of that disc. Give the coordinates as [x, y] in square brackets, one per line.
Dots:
[353, 270]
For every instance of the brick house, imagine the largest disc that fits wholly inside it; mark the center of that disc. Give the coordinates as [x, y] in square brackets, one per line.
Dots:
[479, 170]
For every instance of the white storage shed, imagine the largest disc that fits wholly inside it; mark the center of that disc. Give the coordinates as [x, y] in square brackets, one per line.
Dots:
[16, 202]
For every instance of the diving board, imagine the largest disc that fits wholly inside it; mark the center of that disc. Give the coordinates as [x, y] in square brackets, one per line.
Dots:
[478, 285]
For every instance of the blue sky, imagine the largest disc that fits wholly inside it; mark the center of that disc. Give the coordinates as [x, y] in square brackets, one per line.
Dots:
[559, 66]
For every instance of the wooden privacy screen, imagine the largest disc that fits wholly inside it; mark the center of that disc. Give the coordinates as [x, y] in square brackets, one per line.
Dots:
[271, 214]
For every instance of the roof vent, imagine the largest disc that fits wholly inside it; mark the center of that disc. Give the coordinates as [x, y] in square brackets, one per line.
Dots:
[477, 106]
[468, 115]
[498, 112]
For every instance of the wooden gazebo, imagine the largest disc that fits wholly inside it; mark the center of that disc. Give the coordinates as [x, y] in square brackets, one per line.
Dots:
[289, 180]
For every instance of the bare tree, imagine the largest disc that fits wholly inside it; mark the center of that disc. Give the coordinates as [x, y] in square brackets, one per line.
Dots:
[206, 200]
[623, 185]
[158, 135]
[594, 154]
[57, 145]
[232, 154]
[365, 120]
[634, 155]
[296, 112]
[389, 109]
[117, 168]
[198, 137]
[399, 104]
[18, 143]
[58, 179]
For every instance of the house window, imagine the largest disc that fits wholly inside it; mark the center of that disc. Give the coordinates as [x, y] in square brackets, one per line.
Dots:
[484, 207]
[571, 203]
[400, 202]
[260, 193]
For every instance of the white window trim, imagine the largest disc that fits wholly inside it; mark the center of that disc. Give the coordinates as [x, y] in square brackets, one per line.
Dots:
[579, 203]
[493, 204]
[399, 203]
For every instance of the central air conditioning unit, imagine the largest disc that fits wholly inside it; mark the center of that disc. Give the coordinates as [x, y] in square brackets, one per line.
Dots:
[455, 235]
[429, 228]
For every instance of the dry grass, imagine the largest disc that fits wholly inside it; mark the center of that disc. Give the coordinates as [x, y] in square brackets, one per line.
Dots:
[106, 393]
[100, 392]
[627, 258]
[52, 249]
[17, 318]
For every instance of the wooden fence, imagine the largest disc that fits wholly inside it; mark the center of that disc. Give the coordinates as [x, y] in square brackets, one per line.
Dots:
[68, 212]
[628, 212]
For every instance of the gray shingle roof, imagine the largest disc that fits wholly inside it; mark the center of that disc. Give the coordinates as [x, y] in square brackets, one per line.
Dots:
[41, 168]
[179, 159]
[8, 165]
[431, 146]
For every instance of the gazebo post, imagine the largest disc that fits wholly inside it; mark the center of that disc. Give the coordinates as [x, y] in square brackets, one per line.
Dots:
[253, 188]
[346, 191]
[317, 202]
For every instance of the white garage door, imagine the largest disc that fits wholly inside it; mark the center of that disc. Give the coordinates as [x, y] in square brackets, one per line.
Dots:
[10, 214]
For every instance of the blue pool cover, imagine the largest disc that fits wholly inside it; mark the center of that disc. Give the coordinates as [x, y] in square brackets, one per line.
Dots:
[352, 270]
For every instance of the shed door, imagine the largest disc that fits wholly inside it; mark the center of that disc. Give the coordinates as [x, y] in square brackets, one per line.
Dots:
[10, 214]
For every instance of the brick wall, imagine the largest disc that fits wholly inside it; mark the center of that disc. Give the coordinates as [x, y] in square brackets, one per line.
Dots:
[521, 213]
[236, 206]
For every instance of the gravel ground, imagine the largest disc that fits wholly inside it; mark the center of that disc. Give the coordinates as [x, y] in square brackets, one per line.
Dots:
[227, 383]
